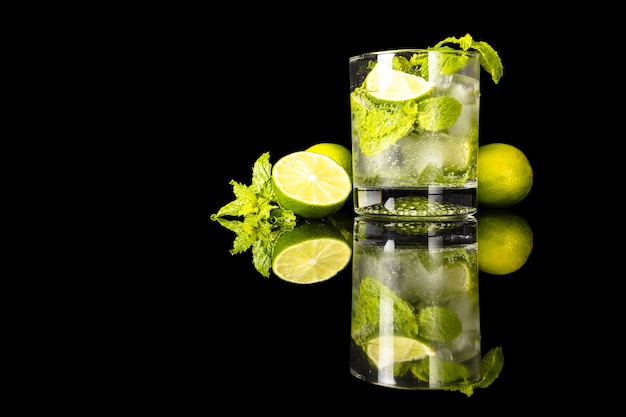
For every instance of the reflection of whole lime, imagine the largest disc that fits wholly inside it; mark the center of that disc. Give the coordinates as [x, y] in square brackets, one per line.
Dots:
[313, 251]
[505, 241]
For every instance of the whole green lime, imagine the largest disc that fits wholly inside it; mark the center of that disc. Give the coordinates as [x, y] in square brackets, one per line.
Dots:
[505, 176]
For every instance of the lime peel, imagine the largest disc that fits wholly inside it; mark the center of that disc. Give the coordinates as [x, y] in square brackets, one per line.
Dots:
[310, 184]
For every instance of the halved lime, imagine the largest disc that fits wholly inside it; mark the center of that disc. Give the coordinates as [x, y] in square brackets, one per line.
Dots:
[314, 251]
[339, 153]
[388, 349]
[389, 84]
[311, 184]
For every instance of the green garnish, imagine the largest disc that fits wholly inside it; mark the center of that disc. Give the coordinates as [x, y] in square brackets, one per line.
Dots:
[366, 320]
[263, 218]
[438, 113]
[380, 118]
[489, 58]
[491, 366]
[430, 324]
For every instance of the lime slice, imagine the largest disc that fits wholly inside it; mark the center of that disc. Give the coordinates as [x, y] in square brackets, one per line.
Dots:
[389, 349]
[311, 184]
[389, 84]
[312, 252]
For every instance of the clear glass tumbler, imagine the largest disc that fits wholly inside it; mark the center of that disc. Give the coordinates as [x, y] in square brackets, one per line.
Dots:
[414, 118]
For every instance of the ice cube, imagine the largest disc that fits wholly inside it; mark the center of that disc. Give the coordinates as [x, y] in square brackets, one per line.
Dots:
[465, 89]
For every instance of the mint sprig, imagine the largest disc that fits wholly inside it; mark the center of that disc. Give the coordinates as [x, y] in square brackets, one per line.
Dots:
[261, 218]
[489, 58]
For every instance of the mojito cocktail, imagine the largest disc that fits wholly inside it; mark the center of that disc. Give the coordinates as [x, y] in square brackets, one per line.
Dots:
[414, 118]
[415, 312]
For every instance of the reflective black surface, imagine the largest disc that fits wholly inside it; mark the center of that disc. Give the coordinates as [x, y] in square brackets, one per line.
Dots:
[288, 342]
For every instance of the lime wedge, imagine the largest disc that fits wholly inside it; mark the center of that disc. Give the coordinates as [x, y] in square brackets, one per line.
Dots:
[312, 252]
[311, 184]
[389, 84]
[389, 349]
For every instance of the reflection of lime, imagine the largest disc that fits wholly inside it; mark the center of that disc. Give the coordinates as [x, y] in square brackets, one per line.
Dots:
[312, 252]
[337, 152]
[505, 176]
[388, 84]
[505, 241]
[311, 184]
[388, 349]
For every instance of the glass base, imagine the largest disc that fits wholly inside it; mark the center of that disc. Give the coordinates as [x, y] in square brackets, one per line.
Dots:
[430, 203]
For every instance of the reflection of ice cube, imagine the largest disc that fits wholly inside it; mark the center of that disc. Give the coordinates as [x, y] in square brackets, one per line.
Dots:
[431, 284]
[466, 346]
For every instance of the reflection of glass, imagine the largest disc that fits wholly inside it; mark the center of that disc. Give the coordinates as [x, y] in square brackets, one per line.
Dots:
[415, 309]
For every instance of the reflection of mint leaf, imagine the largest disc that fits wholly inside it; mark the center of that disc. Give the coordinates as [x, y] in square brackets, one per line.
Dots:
[491, 366]
[263, 219]
[438, 323]
[443, 373]
[367, 306]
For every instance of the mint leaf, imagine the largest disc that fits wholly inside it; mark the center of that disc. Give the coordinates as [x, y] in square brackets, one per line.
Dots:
[438, 113]
[262, 219]
[379, 124]
[489, 58]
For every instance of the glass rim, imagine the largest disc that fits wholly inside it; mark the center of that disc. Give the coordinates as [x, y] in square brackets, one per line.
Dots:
[377, 53]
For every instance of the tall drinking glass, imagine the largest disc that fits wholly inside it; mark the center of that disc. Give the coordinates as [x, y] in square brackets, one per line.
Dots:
[415, 133]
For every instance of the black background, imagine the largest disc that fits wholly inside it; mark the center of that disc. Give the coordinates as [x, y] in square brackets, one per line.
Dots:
[284, 88]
